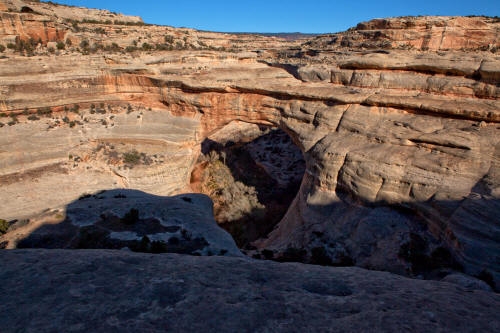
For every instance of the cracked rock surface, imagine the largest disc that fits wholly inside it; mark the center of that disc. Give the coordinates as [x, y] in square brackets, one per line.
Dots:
[118, 291]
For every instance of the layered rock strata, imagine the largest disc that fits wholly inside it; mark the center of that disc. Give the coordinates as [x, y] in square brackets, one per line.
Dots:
[401, 146]
[421, 33]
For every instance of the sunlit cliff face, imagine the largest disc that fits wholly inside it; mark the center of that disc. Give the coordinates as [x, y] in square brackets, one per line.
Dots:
[396, 142]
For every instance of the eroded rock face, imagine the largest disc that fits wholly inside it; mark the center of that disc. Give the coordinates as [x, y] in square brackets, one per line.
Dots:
[421, 33]
[127, 219]
[252, 173]
[401, 146]
[126, 292]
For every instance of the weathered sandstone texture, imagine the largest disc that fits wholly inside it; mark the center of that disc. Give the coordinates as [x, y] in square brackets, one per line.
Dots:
[421, 33]
[121, 219]
[119, 291]
[402, 147]
[252, 173]
[48, 23]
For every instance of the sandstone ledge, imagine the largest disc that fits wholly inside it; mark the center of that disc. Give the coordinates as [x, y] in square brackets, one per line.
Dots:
[118, 291]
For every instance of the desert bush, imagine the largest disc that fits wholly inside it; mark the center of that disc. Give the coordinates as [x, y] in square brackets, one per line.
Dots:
[2, 48]
[146, 47]
[169, 39]
[100, 30]
[164, 47]
[129, 23]
[112, 48]
[91, 21]
[4, 226]
[132, 157]
[84, 44]
[130, 49]
[131, 217]
[44, 112]
[158, 247]
[60, 45]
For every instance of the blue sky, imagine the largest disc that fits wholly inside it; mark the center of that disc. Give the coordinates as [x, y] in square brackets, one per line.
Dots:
[309, 16]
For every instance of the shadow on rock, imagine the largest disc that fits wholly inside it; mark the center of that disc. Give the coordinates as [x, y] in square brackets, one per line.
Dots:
[141, 222]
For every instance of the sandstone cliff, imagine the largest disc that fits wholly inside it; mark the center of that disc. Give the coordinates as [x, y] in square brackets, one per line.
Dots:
[421, 33]
[402, 147]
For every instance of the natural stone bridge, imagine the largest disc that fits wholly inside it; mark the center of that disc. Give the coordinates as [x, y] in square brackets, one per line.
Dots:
[397, 143]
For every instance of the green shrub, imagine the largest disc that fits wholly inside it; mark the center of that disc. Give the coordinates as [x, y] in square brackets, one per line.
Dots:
[169, 39]
[146, 47]
[132, 157]
[44, 111]
[84, 44]
[60, 45]
[13, 121]
[112, 48]
[69, 42]
[158, 247]
[4, 226]
[2, 48]
[131, 217]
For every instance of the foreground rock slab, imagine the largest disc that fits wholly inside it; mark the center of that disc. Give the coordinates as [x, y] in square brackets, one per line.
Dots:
[119, 291]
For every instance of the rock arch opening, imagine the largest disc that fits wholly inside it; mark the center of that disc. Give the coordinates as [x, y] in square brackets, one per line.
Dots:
[252, 173]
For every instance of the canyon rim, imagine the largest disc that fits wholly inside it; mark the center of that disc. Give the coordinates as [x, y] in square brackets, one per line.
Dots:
[346, 181]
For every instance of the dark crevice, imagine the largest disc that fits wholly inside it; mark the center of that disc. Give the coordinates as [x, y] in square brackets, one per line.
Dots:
[252, 179]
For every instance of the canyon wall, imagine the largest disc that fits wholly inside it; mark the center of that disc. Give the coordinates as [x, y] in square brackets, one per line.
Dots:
[420, 33]
[402, 147]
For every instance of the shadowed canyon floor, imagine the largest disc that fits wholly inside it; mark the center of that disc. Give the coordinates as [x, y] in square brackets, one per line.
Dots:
[378, 147]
